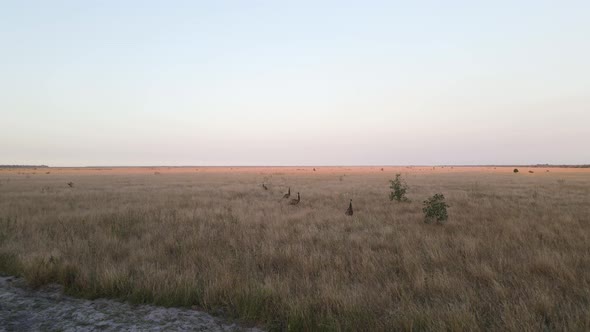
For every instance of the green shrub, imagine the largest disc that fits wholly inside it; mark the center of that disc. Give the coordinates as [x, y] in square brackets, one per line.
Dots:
[399, 189]
[435, 208]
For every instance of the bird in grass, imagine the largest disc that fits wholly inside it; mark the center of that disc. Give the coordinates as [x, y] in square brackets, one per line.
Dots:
[264, 186]
[295, 201]
[288, 194]
[71, 184]
[349, 210]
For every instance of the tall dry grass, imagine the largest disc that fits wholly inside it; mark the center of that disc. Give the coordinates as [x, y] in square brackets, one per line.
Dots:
[515, 254]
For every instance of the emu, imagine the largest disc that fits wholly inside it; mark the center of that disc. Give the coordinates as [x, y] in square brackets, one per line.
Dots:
[295, 201]
[349, 210]
[288, 194]
[264, 186]
[71, 184]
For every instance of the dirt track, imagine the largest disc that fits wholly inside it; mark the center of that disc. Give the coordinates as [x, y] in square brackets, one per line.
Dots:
[47, 309]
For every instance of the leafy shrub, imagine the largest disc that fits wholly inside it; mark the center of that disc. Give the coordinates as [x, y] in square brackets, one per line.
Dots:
[515, 170]
[399, 189]
[435, 208]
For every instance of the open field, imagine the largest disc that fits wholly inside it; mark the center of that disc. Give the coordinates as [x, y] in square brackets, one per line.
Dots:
[514, 255]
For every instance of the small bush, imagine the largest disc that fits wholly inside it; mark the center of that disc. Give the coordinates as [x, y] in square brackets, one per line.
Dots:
[515, 170]
[435, 208]
[399, 189]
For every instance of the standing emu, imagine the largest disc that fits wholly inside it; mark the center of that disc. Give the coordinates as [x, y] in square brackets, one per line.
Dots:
[295, 201]
[349, 210]
[264, 186]
[288, 194]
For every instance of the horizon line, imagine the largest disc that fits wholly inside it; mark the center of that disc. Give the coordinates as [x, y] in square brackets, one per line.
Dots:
[253, 166]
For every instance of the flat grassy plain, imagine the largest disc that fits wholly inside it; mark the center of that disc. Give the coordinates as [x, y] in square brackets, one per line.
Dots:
[514, 255]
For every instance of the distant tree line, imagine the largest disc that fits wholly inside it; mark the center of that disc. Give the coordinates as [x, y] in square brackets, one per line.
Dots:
[524, 166]
[23, 166]
[562, 166]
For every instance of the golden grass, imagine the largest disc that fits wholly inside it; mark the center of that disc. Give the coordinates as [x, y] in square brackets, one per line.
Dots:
[514, 255]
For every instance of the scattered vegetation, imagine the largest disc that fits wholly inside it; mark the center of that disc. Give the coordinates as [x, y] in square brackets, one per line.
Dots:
[398, 188]
[207, 239]
[435, 208]
[515, 170]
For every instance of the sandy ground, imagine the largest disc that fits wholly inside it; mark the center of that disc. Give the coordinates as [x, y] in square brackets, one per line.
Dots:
[47, 309]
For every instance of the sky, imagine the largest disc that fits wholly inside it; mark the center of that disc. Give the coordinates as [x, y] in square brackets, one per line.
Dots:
[114, 83]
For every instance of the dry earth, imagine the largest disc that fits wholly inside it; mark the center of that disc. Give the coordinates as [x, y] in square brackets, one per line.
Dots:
[47, 309]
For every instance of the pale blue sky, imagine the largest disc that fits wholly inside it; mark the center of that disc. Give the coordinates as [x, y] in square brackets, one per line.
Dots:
[294, 83]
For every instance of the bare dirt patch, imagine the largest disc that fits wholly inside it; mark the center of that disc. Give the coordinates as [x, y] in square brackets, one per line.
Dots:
[47, 309]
